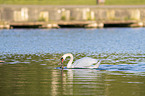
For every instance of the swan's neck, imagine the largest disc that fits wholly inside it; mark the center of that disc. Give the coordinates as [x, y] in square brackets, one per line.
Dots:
[69, 65]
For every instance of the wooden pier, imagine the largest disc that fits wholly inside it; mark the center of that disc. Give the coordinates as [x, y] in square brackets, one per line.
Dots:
[33, 16]
[72, 24]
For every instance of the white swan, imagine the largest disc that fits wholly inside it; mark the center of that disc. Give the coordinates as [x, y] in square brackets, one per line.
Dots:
[85, 62]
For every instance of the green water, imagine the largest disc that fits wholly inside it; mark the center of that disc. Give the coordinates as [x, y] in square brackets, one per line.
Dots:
[35, 79]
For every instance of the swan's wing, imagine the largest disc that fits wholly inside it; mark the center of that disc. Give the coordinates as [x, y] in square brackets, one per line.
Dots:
[96, 65]
[84, 62]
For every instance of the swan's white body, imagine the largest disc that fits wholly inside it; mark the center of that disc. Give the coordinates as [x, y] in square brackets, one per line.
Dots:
[85, 62]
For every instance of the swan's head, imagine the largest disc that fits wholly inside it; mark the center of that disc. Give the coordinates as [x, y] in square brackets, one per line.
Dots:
[66, 55]
[62, 58]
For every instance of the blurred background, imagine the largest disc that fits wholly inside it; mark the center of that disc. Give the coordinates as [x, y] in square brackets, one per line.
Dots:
[68, 13]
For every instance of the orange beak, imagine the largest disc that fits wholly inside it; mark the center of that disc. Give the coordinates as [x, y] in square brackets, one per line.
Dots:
[62, 61]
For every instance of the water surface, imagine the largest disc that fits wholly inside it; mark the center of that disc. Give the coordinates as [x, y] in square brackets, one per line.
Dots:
[32, 56]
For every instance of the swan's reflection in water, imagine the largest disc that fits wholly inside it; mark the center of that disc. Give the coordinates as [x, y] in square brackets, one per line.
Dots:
[78, 82]
[67, 82]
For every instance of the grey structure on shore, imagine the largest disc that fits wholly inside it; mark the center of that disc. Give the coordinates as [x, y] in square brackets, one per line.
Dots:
[83, 16]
